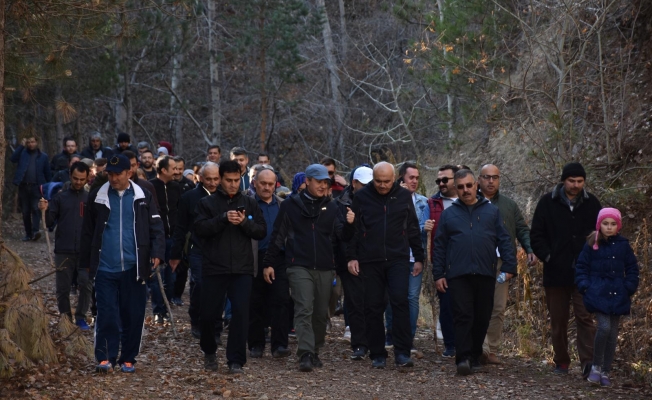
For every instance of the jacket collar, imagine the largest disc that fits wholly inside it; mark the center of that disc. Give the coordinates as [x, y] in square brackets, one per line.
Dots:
[556, 192]
[103, 193]
[346, 197]
[481, 200]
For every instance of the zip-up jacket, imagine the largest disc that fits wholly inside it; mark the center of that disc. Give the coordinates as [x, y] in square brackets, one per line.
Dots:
[147, 227]
[185, 221]
[67, 210]
[343, 201]
[21, 157]
[227, 248]
[387, 226]
[513, 220]
[91, 153]
[308, 229]
[466, 242]
[60, 161]
[168, 195]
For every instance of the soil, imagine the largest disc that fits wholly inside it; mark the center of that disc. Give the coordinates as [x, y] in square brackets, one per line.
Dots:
[170, 367]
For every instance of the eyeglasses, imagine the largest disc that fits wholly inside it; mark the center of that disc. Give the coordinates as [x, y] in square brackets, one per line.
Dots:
[443, 180]
[490, 177]
[468, 185]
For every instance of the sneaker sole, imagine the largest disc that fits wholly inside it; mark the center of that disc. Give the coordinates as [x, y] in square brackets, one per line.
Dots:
[357, 358]
[593, 382]
[406, 365]
[378, 366]
[389, 347]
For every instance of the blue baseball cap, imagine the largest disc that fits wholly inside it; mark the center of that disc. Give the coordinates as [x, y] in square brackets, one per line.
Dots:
[317, 171]
[118, 163]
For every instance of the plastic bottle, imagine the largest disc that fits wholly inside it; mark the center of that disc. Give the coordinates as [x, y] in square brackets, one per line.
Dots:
[501, 278]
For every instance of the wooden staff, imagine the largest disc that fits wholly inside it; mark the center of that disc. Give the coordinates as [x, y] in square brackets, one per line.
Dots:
[165, 298]
[432, 289]
[47, 236]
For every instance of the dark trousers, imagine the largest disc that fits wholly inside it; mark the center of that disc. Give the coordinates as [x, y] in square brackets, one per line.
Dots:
[194, 309]
[472, 300]
[269, 307]
[66, 264]
[168, 277]
[559, 299]
[121, 302]
[354, 294]
[237, 288]
[391, 277]
[28, 197]
[181, 279]
[446, 319]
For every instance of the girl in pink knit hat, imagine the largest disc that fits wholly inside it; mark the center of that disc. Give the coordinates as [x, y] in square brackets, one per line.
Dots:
[607, 276]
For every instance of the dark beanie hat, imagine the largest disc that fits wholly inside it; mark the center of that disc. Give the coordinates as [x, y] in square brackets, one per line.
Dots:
[123, 137]
[573, 169]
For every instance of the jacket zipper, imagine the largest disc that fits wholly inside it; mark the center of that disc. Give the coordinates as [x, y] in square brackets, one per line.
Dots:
[133, 209]
[385, 231]
[167, 209]
[314, 245]
[122, 258]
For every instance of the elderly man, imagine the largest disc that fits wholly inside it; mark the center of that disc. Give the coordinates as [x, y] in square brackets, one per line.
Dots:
[562, 220]
[95, 148]
[465, 264]
[489, 181]
[387, 228]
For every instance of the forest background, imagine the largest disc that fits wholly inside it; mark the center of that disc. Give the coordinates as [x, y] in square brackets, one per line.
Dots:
[528, 85]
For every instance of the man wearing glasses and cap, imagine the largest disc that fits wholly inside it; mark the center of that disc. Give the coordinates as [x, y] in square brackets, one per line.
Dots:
[465, 262]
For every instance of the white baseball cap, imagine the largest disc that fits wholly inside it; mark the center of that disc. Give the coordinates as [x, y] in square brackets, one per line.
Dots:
[363, 175]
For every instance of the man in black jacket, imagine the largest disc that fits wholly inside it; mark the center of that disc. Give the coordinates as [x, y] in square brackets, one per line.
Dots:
[307, 226]
[67, 210]
[168, 193]
[122, 236]
[62, 160]
[95, 148]
[464, 264]
[225, 224]
[387, 228]
[209, 176]
[562, 220]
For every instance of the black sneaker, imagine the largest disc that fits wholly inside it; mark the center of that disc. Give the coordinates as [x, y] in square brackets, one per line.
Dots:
[305, 364]
[210, 362]
[316, 362]
[449, 352]
[586, 370]
[36, 236]
[280, 352]
[379, 363]
[256, 352]
[401, 360]
[476, 366]
[195, 331]
[359, 353]
[464, 368]
[26, 239]
[161, 318]
[235, 368]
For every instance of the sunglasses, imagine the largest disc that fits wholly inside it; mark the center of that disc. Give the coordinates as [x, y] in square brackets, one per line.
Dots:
[490, 177]
[469, 185]
[443, 180]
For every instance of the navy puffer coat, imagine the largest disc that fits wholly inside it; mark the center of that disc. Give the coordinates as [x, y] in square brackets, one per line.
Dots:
[607, 277]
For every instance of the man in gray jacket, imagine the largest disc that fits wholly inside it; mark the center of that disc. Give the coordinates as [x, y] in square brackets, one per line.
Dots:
[465, 264]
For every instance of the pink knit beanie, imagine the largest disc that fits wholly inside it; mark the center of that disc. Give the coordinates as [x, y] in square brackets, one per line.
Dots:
[607, 213]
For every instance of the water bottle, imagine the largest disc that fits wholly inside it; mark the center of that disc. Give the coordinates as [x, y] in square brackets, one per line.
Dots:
[501, 278]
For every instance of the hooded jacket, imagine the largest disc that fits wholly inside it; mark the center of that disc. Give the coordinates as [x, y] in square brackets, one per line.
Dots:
[227, 248]
[148, 230]
[466, 242]
[559, 234]
[308, 229]
[387, 226]
[21, 157]
[66, 210]
[607, 277]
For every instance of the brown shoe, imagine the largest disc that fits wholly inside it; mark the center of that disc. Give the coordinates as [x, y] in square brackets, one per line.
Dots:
[492, 359]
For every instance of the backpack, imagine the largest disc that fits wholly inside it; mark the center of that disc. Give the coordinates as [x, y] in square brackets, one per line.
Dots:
[48, 190]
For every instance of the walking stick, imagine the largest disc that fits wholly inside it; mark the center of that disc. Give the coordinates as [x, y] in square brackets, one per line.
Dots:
[47, 236]
[165, 298]
[433, 289]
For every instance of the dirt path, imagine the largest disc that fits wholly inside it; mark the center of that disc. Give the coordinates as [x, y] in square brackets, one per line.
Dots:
[173, 368]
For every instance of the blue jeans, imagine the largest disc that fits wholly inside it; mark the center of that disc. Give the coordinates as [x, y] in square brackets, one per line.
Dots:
[414, 291]
[168, 277]
[446, 319]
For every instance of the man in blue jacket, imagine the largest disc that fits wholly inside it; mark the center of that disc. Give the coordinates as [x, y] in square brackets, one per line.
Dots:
[122, 240]
[31, 172]
[465, 263]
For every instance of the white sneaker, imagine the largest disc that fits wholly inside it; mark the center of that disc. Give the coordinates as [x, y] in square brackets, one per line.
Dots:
[347, 334]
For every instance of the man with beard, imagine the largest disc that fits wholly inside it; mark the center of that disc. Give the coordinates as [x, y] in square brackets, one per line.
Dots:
[95, 148]
[147, 164]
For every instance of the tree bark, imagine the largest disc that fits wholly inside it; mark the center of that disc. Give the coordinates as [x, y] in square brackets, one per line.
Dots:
[3, 140]
[176, 121]
[216, 112]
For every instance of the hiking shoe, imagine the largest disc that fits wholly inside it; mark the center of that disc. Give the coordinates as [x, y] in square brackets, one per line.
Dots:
[81, 323]
[36, 236]
[104, 367]
[594, 376]
[379, 363]
[605, 381]
[161, 318]
[195, 331]
[256, 352]
[402, 360]
[493, 359]
[235, 368]
[464, 368]
[210, 362]
[347, 334]
[476, 366]
[316, 362]
[449, 352]
[26, 238]
[359, 353]
[177, 301]
[561, 369]
[389, 342]
[128, 367]
[586, 370]
[280, 352]
[305, 364]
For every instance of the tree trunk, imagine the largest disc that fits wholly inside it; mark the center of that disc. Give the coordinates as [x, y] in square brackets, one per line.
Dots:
[344, 38]
[450, 106]
[3, 140]
[216, 112]
[262, 66]
[58, 116]
[176, 122]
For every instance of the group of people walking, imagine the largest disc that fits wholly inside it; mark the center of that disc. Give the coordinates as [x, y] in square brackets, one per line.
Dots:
[270, 259]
